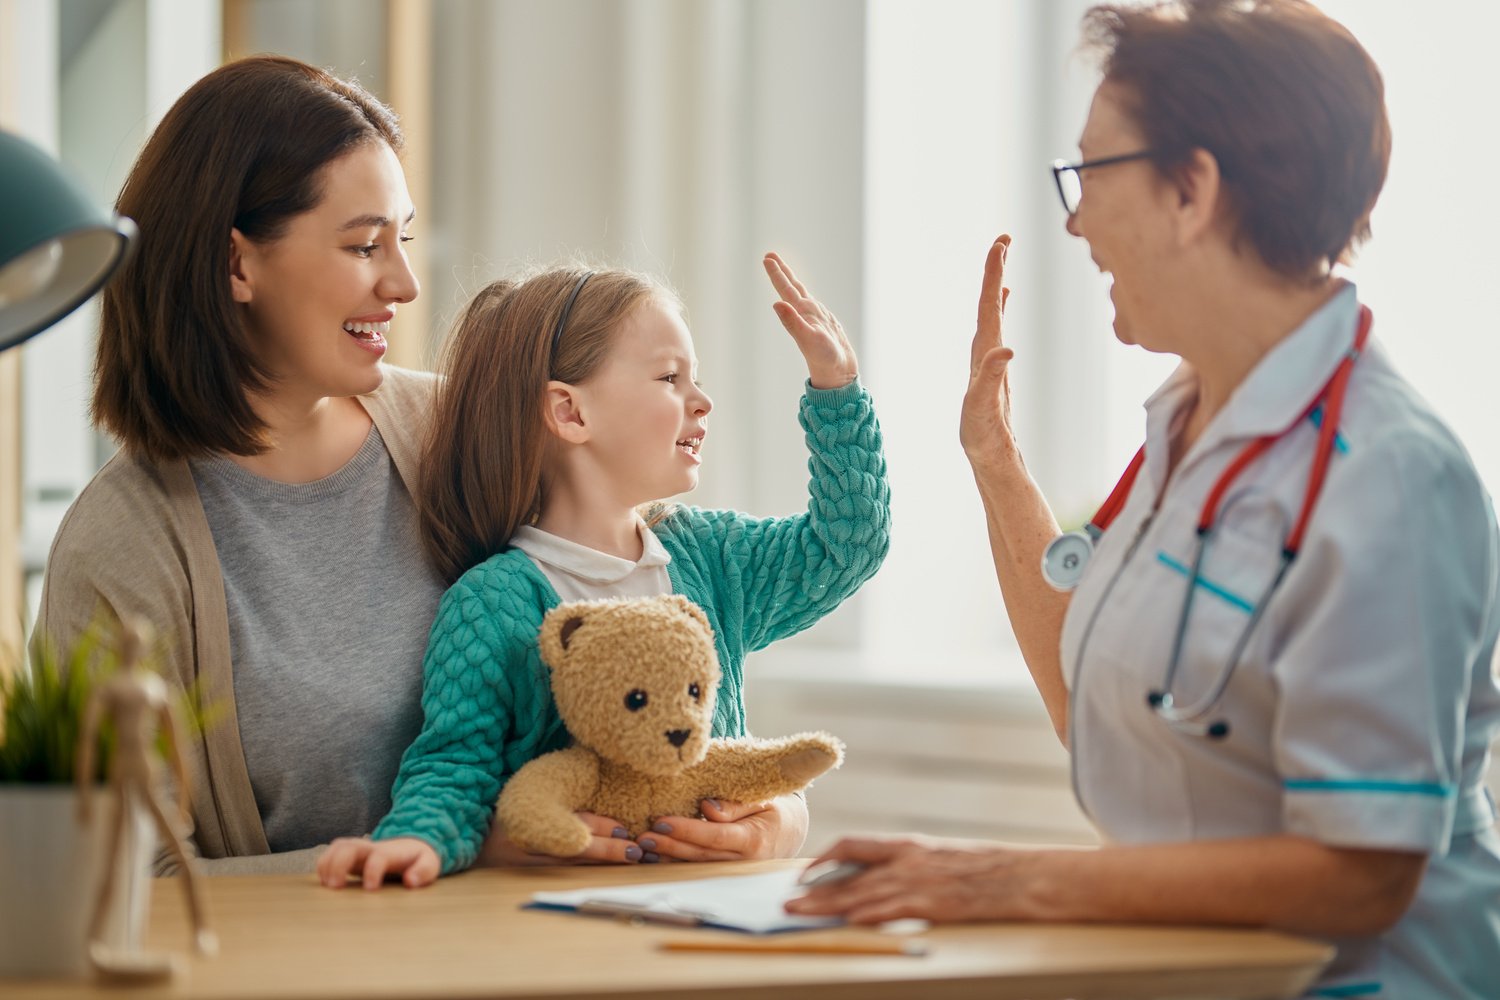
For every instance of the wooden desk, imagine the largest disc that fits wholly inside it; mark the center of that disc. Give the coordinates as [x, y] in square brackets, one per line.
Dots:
[467, 937]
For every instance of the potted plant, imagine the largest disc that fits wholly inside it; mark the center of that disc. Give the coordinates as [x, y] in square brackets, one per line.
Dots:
[51, 862]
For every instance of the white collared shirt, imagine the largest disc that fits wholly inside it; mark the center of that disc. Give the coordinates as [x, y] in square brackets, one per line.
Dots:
[580, 573]
[1364, 701]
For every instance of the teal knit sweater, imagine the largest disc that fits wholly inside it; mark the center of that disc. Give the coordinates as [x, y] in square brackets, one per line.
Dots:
[486, 696]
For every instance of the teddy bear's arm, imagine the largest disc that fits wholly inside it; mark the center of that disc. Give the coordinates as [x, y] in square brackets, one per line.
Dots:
[536, 806]
[753, 770]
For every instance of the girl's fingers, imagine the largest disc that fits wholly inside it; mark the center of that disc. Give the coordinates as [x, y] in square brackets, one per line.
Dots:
[374, 869]
[424, 872]
[787, 271]
[779, 280]
[338, 861]
[794, 322]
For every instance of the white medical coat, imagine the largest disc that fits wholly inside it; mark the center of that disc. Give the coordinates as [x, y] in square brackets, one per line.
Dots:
[1363, 707]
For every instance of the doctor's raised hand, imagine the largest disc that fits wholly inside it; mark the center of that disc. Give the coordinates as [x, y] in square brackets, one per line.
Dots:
[984, 430]
[1019, 522]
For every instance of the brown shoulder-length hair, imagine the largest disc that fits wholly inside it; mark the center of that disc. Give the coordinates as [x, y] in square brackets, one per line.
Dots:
[1288, 102]
[483, 465]
[242, 149]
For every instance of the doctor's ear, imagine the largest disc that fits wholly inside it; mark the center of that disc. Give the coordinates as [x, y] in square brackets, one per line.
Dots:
[1200, 195]
[241, 266]
[562, 410]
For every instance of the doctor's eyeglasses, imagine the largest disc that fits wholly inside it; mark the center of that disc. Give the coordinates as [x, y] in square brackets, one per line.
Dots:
[1070, 187]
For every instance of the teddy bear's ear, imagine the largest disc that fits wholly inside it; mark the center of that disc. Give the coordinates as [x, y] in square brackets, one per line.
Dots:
[679, 603]
[556, 634]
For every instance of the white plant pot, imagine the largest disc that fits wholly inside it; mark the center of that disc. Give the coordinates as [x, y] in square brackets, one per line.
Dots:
[51, 867]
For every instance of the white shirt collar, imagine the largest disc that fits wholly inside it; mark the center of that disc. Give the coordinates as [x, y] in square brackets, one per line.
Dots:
[587, 563]
[1274, 394]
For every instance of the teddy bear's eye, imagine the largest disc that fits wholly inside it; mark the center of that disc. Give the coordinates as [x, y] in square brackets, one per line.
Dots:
[635, 700]
[694, 693]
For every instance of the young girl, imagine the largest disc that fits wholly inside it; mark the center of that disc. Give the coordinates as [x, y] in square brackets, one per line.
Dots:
[571, 401]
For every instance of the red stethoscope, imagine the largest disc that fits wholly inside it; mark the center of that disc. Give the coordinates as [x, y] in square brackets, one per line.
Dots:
[1067, 555]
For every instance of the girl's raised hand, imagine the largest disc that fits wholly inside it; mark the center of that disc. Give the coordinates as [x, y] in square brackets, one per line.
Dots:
[830, 357]
[373, 860]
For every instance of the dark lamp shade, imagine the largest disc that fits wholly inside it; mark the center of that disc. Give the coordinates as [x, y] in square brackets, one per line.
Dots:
[56, 247]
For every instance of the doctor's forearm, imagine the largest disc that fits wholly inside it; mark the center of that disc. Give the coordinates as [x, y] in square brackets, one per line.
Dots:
[1020, 525]
[1285, 882]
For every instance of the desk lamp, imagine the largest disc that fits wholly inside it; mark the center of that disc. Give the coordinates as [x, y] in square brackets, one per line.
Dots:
[56, 247]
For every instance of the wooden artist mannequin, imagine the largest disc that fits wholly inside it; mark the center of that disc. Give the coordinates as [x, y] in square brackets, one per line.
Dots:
[137, 702]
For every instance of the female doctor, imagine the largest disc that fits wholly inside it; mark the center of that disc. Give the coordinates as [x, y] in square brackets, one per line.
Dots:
[1273, 666]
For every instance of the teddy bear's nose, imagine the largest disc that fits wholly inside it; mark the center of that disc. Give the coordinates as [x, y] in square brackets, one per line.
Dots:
[677, 737]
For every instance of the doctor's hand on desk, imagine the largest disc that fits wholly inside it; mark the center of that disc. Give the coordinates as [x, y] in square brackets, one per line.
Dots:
[1282, 881]
[922, 877]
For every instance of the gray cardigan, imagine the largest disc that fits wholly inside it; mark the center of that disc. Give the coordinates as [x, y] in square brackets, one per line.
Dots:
[136, 542]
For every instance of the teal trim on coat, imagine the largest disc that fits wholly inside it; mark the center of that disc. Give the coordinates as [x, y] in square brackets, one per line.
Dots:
[1431, 788]
[1222, 593]
[1339, 444]
[1349, 990]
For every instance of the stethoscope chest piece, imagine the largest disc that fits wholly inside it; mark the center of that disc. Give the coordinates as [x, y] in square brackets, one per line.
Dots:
[1065, 559]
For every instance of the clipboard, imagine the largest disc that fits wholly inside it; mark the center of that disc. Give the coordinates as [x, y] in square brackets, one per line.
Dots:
[750, 904]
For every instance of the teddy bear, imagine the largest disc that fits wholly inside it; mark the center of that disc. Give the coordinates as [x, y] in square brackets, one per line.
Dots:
[635, 681]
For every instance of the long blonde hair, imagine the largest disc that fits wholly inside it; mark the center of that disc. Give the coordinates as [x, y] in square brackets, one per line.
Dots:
[482, 465]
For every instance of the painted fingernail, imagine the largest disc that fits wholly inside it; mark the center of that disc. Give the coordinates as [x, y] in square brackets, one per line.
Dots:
[620, 833]
[715, 804]
[650, 859]
[647, 843]
[662, 827]
[632, 853]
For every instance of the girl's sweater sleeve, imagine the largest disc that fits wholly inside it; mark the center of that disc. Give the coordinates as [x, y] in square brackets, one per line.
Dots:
[484, 700]
[786, 573]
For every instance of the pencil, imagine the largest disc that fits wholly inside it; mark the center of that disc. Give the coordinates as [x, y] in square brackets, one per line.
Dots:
[895, 946]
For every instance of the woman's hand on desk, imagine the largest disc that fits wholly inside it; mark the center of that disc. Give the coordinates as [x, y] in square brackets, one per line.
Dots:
[412, 859]
[731, 831]
[608, 845]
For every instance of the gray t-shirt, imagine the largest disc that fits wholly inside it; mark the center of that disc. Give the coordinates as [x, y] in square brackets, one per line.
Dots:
[330, 602]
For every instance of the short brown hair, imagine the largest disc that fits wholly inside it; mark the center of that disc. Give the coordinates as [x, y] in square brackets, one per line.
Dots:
[242, 149]
[1284, 98]
[482, 469]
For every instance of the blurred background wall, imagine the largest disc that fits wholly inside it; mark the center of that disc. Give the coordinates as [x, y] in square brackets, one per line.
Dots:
[879, 146]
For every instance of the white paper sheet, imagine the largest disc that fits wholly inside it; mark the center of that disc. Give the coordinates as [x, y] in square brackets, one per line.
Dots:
[751, 903]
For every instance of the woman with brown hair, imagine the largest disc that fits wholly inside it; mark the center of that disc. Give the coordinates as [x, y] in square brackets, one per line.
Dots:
[259, 512]
[1269, 653]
